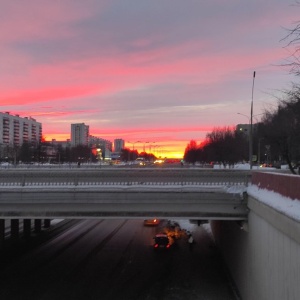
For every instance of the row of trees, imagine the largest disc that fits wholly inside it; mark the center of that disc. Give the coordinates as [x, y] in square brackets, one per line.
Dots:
[276, 140]
[223, 145]
[45, 152]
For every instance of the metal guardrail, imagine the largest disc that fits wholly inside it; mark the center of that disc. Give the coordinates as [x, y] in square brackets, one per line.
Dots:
[80, 177]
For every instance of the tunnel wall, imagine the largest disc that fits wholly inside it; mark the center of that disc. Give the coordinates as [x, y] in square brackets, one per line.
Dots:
[264, 259]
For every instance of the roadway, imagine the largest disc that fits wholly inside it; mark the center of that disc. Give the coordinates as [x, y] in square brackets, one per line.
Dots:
[114, 259]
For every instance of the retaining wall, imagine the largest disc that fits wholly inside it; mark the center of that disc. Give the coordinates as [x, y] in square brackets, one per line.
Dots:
[264, 261]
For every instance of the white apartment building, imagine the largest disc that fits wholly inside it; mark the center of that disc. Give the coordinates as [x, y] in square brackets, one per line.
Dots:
[79, 134]
[119, 144]
[14, 130]
[104, 145]
[100, 143]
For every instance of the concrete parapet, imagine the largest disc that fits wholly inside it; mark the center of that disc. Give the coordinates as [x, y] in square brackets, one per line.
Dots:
[286, 185]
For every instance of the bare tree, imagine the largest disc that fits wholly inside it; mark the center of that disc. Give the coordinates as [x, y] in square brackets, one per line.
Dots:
[292, 40]
[282, 128]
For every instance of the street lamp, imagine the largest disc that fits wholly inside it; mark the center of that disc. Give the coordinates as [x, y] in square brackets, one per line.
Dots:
[133, 144]
[144, 146]
[254, 116]
[258, 152]
[251, 127]
[150, 147]
[252, 135]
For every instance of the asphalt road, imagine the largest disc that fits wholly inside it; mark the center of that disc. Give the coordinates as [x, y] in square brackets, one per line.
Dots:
[115, 259]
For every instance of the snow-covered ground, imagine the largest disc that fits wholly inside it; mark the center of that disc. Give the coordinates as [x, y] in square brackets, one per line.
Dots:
[246, 166]
[282, 204]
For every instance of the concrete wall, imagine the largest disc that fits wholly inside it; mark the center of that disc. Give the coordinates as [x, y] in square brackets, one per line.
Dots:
[284, 184]
[265, 261]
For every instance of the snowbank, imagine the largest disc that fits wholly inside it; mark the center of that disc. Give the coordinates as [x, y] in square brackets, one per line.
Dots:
[283, 204]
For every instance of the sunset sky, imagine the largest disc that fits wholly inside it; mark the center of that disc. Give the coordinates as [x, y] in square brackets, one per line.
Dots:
[161, 72]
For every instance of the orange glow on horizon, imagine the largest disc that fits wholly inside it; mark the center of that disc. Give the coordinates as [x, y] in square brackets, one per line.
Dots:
[161, 149]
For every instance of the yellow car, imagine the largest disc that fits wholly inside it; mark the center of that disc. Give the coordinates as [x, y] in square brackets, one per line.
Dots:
[151, 222]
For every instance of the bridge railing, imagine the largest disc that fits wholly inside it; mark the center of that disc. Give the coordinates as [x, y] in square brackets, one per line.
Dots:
[124, 177]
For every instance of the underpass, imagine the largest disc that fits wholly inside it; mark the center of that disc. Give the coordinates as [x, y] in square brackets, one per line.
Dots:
[123, 193]
[268, 243]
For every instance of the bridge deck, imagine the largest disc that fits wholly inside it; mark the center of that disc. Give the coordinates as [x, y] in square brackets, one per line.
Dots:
[123, 193]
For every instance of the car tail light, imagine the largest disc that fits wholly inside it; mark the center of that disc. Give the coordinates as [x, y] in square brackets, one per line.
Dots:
[156, 246]
[168, 246]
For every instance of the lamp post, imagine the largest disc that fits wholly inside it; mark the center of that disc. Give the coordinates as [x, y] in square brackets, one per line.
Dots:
[245, 116]
[250, 155]
[251, 127]
[254, 116]
[150, 147]
[258, 152]
[133, 144]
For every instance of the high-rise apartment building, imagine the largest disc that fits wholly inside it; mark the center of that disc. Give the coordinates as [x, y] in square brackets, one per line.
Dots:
[79, 134]
[14, 130]
[119, 144]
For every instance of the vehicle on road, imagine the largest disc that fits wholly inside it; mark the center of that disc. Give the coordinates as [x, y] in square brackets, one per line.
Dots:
[151, 222]
[162, 241]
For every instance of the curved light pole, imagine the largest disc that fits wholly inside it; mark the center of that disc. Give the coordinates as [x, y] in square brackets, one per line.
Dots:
[144, 146]
[245, 116]
[150, 147]
[249, 117]
[133, 144]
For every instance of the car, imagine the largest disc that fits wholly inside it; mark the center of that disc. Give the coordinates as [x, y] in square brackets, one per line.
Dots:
[151, 222]
[162, 241]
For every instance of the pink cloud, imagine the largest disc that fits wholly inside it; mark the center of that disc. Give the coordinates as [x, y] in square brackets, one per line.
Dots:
[33, 20]
[20, 97]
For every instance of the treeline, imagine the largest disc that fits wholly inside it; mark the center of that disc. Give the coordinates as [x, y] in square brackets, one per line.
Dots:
[276, 139]
[46, 152]
[223, 145]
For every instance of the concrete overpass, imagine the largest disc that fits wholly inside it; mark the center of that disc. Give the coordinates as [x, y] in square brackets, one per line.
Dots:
[127, 193]
[263, 259]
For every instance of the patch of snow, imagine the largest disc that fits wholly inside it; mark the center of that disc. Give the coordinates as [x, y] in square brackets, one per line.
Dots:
[56, 221]
[190, 227]
[207, 228]
[236, 189]
[282, 204]
[187, 225]
[241, 166]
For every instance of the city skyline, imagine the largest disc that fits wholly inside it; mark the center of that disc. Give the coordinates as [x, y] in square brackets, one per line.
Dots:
[156, 72]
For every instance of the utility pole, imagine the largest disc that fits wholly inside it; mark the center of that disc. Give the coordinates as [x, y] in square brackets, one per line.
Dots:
[251, 128]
